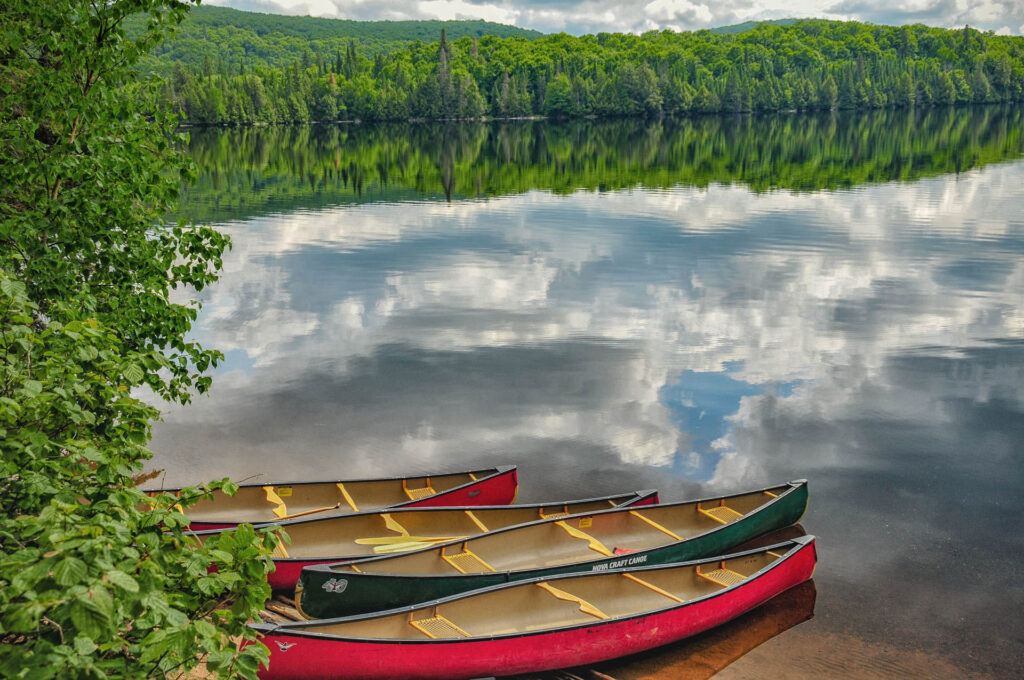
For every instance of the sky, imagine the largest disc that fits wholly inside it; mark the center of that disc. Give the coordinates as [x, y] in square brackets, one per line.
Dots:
[591, 16]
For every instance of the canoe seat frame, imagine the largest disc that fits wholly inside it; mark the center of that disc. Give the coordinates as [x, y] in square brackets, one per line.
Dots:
[467, 561]
[416, 493]
[721, 513]
[722, 576]
[437, 626]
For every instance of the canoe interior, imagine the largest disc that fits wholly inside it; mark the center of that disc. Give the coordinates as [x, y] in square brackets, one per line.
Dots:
[576, 539]
[382, 533]
[253, 503]
[539, 605]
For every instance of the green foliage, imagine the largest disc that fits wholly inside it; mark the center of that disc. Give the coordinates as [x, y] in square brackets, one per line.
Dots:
[796, 65]
[96, 579]
[219, 38]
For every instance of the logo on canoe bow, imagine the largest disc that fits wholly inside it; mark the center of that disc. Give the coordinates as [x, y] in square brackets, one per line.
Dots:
[285, 646]
[336, 585]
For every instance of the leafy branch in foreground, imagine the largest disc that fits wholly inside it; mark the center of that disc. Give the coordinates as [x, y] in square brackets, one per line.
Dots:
[96, 578]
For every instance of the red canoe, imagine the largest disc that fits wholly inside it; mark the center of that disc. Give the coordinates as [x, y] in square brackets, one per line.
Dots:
[274, 501]
[538, 625]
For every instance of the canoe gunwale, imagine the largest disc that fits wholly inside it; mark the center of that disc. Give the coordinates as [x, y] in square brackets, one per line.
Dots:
[490, 472]
[791, 548]
[582, 564]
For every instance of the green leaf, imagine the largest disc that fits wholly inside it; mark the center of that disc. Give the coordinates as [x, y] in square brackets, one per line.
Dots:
[123, 581]
[32, 388]
[134, 374]
[70, 571]
[84, 645]
[89, 619]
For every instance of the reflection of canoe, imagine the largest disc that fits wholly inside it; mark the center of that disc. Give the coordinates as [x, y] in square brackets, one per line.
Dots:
[320, 539]
[263, 503]
[703, 656]
[608, 539]
[539, 624]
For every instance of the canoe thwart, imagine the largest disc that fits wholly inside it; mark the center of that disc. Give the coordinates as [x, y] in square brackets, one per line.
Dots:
[281, 511]
[585, 606]
[674, 535]
[653, 587]
[722, 576]
[392, 524]
[348, 497]
[479, 525]
[417, 493]
[466, 562]
[437, 626]
[593, 543]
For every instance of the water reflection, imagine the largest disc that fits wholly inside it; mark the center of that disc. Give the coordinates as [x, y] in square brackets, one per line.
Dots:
[252, 171]
[691, 333]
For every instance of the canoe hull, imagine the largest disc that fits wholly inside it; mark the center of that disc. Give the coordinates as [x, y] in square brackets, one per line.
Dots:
[322, 658]
[323, 593]
[287, 570]
[500, 488]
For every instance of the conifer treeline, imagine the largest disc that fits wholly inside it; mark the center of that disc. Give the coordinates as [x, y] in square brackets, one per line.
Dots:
[807, 65]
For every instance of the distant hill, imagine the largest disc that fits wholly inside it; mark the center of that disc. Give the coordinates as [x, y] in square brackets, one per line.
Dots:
[750, 25]
[233, 38]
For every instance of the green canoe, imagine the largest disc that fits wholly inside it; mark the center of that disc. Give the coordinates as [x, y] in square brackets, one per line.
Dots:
[609, 539]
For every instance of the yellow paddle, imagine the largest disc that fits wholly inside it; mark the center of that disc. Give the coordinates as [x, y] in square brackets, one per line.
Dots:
[387, 540]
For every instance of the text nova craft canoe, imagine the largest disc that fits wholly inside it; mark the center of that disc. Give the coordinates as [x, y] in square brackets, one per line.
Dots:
[608, 539]
[272, 502]
[538, 625]
[334, 538]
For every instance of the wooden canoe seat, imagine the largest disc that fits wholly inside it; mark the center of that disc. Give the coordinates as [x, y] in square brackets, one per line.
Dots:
[417, 493]
[466, 562]
[721, 513]
[722, 576]
[437, 626]
[563, 513]
[585, 606]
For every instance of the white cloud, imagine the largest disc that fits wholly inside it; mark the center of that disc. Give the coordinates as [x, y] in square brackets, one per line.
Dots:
[769, 313]
[592, 16]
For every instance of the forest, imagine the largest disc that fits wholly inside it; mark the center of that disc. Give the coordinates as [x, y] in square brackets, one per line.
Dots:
[234, 40]
[804, 65]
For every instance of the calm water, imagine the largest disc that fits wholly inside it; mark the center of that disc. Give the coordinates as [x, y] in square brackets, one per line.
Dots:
[697, 306]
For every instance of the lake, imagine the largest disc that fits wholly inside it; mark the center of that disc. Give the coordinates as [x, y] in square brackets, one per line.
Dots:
[701, 305]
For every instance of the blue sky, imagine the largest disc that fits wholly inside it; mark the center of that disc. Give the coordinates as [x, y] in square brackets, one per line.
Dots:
[591, 16]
